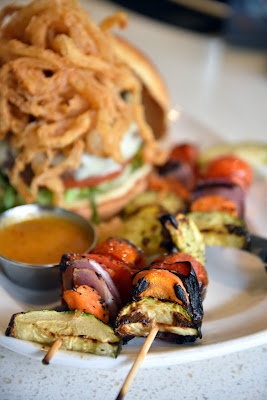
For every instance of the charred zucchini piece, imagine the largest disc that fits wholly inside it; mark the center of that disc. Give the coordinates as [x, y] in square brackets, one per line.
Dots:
[221, 229]
[255, 153]
[84, 333]
[174, 321]
[168, 202]
[184, 235]
[144, 230]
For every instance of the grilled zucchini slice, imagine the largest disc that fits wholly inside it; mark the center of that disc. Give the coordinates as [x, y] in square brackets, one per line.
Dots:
[141, 223]
[84, 333]
[185, 235]
[221, 229]
[144, 230]
[174, 321]
[168, 202]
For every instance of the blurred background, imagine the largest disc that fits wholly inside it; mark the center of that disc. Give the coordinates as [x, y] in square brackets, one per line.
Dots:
[213, 56]
[240, 22]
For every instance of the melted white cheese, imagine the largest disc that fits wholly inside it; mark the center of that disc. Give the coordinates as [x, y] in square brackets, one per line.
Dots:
[124, 184]
[131, 142]
[92, 165]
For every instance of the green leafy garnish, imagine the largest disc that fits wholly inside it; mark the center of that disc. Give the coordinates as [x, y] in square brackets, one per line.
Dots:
[8, 195]
[44, 197]
[138, 160]
[9, 199]
[75, 194]
[95, 216]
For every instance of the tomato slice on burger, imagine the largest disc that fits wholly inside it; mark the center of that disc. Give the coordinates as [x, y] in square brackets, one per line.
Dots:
[92, 181]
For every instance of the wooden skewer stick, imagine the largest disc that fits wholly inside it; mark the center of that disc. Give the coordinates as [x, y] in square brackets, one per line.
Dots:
[133, 371]
[52, 351]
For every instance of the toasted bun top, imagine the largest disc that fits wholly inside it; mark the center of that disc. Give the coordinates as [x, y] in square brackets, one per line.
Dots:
[155, 93]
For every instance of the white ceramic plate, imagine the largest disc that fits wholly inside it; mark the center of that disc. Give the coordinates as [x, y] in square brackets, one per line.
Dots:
[234, 307]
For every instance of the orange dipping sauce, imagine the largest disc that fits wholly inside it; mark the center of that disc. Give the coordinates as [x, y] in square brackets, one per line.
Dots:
[43, 240]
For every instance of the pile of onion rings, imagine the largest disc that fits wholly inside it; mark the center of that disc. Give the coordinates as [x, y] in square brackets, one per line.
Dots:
[63, 92]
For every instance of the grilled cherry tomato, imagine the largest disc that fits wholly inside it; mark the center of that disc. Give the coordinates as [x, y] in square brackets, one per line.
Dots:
[168, 184]
[231, 167]
[120, 273]
[187, 153]
[123, 250]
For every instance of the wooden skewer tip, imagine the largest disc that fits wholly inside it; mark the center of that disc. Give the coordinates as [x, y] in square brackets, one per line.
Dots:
[133, 371]
[52, 351]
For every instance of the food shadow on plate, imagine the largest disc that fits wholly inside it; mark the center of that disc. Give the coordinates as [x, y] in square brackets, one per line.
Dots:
[159, 348]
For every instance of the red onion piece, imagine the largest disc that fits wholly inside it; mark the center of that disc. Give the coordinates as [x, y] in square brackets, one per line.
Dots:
[71, 261]
[86, 276]
[181, 171]
[222, 187]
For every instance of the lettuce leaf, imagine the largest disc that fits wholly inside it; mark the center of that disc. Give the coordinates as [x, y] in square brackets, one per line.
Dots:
[44, 197]
[8, 196]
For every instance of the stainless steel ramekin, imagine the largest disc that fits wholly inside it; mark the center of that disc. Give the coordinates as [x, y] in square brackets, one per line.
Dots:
[39, 277]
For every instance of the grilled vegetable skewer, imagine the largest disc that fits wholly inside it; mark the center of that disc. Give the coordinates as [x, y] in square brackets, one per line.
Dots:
[168, 299]
[218, 201]
[167, 292]
[90, 290]
[167, 295]
[166, 304]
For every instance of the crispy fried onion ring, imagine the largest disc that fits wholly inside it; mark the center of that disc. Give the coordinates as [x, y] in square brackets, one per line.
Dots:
[62, 92]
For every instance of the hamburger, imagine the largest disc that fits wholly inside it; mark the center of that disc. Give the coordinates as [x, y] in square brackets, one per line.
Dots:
[81, 110]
